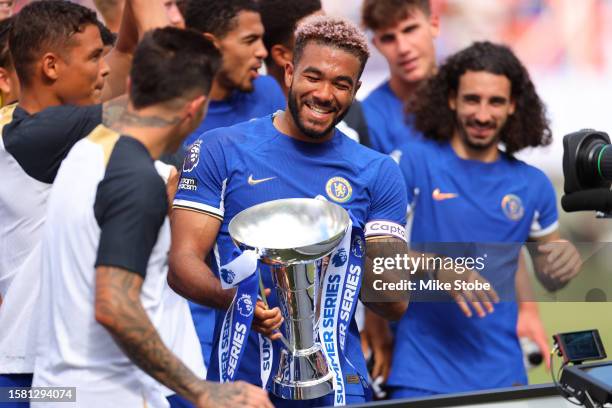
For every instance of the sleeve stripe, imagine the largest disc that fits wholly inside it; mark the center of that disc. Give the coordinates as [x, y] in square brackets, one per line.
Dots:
[543, 232]
[198, 207]
[180, 207]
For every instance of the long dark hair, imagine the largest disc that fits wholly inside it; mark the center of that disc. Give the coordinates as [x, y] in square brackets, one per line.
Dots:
[528, 126]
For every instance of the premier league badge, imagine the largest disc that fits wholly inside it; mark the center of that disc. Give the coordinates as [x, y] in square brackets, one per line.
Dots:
[339, 258]
[245, 305]
[227, 275]
[357, 247]
[192, 158]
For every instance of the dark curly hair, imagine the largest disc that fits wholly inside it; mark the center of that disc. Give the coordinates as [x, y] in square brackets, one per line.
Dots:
[528, 126]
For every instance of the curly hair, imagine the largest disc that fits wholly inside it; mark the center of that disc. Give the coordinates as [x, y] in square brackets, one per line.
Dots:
[334, 32]
[528, 126]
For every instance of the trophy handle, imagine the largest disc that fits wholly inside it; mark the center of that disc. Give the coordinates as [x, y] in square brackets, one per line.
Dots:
[262, 292]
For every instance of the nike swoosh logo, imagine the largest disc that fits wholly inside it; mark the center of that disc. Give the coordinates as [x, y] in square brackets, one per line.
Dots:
[438, 196]
[253, 182]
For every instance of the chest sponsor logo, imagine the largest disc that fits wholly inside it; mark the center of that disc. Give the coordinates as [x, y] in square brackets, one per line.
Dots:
[189, 184]
[339, 189]
[437, 195]
[192, 158]
[254, 182]
[513, 207]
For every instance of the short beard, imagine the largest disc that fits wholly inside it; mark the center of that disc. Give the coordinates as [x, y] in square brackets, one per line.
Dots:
[295, 114]
[227, 83]
[475, 146]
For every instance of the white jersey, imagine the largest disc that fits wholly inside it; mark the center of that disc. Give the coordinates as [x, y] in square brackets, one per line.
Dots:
[31, 148]
[107, 207]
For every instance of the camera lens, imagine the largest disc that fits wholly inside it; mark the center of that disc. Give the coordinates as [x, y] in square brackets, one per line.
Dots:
[604, 162]
[594, 162]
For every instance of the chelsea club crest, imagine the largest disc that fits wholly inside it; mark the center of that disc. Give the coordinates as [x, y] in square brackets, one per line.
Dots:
[513, 207]
[339, 189]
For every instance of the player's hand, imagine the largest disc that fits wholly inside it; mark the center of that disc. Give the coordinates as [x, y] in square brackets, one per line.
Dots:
[530, 325]
[231, 395]
[379, 339]
[481, 301]
[267, 321]
[563, 262]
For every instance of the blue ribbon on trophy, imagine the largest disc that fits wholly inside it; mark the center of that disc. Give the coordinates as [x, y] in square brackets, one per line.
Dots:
[340, 291]
[242, 273]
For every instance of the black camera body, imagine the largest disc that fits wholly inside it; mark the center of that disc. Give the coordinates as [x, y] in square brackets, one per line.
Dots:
[581, 152]
[587, 167]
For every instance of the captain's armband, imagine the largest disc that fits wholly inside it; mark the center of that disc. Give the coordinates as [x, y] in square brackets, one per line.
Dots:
[380, 228]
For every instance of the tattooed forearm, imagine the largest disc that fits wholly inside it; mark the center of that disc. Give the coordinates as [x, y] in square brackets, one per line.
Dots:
[119, 310]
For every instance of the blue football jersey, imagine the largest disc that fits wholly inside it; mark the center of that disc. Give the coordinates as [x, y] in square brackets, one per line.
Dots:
[454, 200]
[388, 124]
[266, 98]
[230, 169]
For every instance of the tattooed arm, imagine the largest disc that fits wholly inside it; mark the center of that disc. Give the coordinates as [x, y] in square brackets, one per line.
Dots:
[119, 310]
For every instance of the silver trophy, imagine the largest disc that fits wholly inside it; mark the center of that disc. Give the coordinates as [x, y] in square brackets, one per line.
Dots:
[292, 236]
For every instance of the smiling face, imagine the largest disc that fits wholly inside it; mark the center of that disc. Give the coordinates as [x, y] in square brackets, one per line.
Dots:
[81, 69]
[408, 46]
[322, 86]
[482, 106]
[243, 52]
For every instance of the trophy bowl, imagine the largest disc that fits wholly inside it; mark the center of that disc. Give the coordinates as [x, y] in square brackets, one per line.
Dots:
[291, 236]
[290, 230]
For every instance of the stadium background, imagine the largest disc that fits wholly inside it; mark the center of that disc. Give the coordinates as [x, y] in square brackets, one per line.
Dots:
[563, 44]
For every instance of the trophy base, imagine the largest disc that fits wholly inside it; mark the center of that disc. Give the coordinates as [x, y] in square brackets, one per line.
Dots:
[306, 375]
[304, 390]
